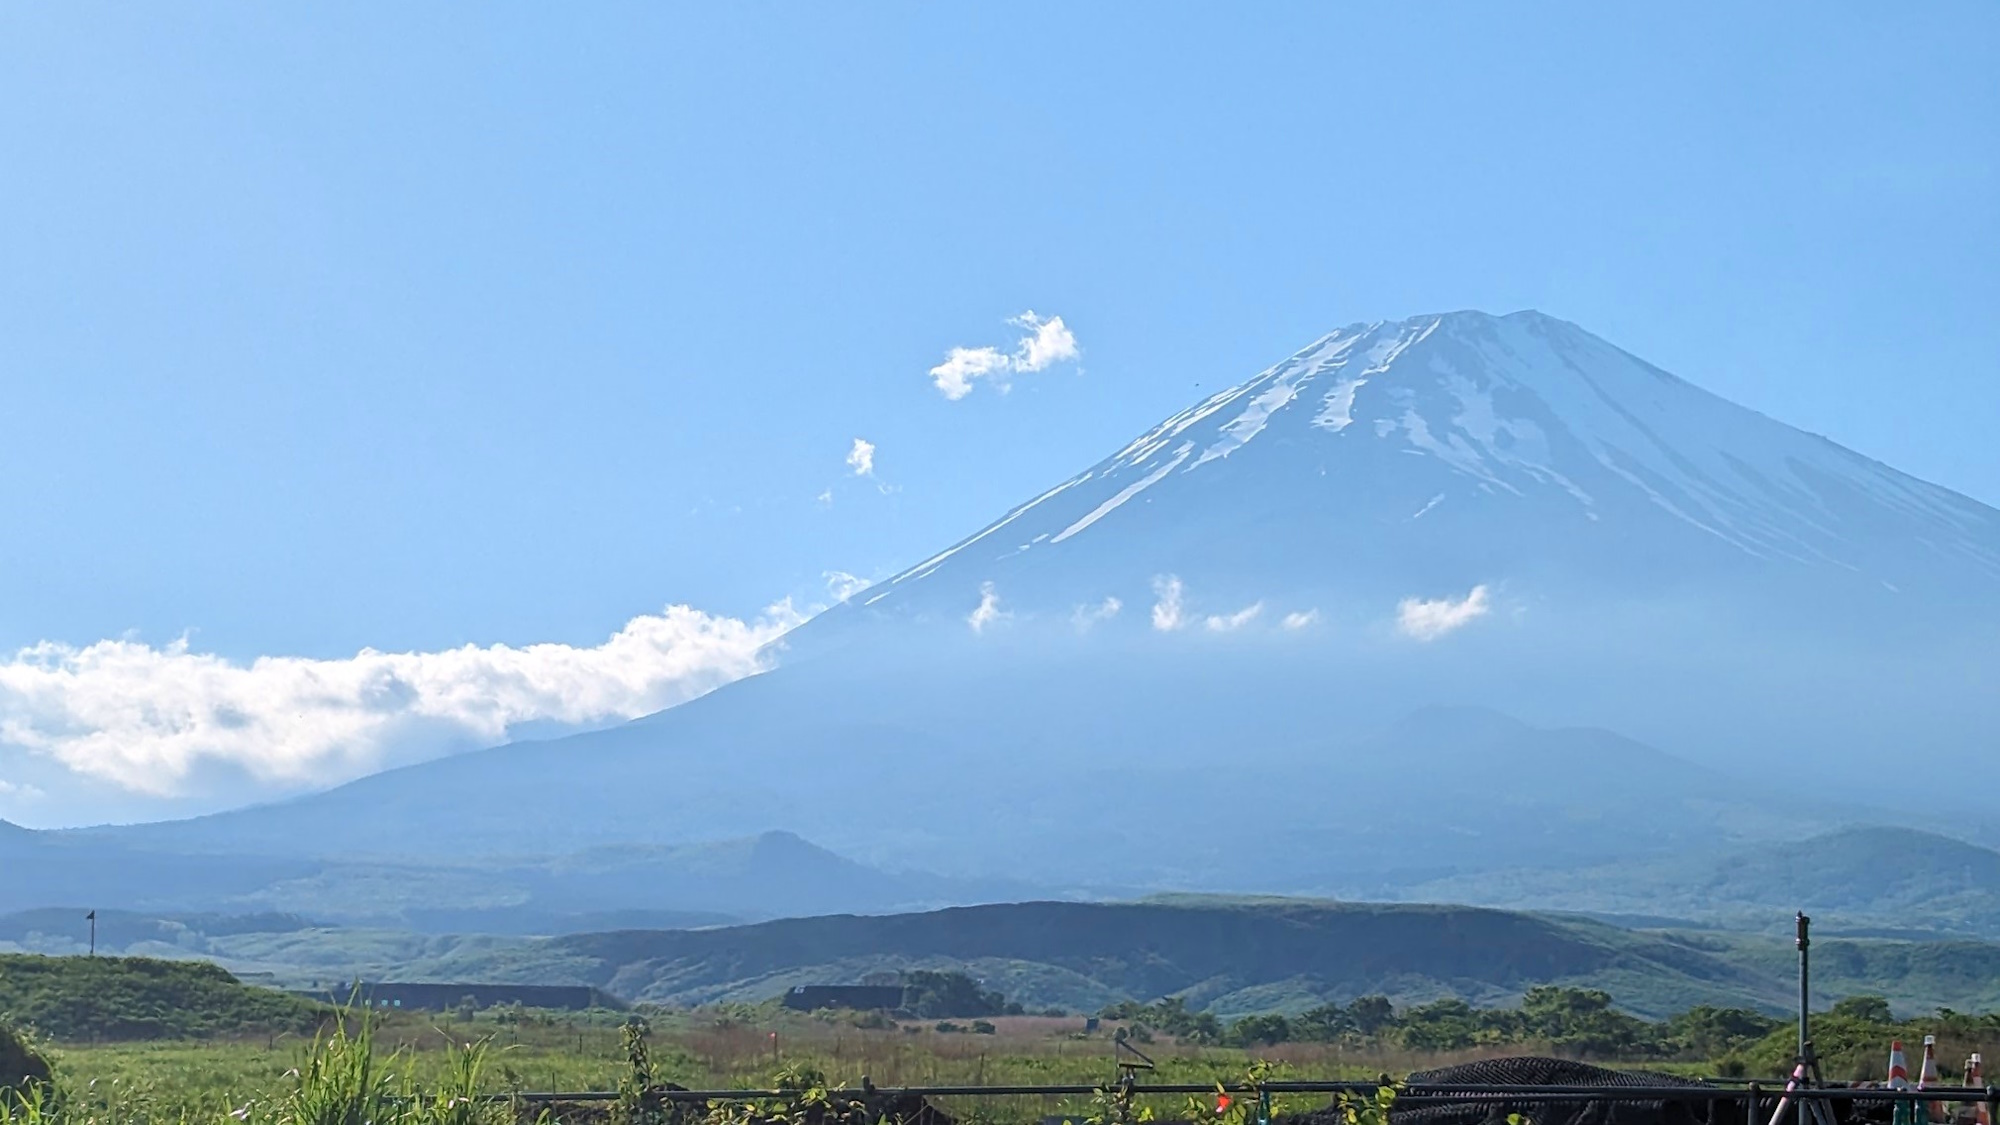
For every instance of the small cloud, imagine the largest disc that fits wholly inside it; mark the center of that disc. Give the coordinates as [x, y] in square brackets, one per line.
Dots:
[843, 585]
[825, 498]
[1167, 611]
[1051, 342]
[861, 458]
[1048, 342]
[1427, 620]
[1088, 615]
[962, 365]
[20, 790]
[988, 610]
[1301, 620]
[1218, 623]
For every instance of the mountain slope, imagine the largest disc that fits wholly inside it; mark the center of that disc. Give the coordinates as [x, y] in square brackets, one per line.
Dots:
[1219, 954]
[1207, 630]
[627, 885]
[1496, 793]
[1236, 956]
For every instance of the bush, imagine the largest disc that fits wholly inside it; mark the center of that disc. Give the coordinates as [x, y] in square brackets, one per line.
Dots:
[929, 995]
[82, 998]
[20, 1064]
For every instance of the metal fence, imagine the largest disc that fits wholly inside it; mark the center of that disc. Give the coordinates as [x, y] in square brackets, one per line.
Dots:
[1751, 1093]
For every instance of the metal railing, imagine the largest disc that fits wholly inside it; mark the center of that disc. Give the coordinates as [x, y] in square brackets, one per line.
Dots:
[1768, 1091]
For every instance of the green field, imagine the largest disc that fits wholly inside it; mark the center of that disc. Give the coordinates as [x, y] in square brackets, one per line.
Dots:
[138, 1041]
[252, 1077]
[146, 1082]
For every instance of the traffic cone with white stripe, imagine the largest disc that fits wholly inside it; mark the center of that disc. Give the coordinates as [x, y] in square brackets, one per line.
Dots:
[1899, 1079]
[1975, 1077]
[1929, 1077]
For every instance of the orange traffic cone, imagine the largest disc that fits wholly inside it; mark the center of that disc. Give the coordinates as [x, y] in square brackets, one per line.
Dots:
[1929, 1077]
[1904, 1113]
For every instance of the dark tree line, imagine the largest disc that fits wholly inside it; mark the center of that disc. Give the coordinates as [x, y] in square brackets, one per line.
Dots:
[1852, 1037]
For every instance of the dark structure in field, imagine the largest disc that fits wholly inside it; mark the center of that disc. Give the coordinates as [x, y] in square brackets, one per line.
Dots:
[853, 997]
[1446, 1109]
[1703, 1103]
[443, 997]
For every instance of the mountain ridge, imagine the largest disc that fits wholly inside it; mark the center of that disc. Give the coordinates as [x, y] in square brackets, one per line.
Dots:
[1236, 956]
[1890, 877]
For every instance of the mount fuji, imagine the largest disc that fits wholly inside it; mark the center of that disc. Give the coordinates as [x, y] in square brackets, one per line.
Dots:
[1444, 451]
[1371, 615]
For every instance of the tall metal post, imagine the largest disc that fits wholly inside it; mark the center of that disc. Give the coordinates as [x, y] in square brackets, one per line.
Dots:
[1805, 989]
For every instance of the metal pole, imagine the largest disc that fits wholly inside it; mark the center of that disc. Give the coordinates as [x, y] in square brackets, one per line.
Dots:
[93, 932]
[1805, 987]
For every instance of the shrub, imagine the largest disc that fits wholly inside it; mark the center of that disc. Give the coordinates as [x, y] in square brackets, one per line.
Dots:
[20, 1065]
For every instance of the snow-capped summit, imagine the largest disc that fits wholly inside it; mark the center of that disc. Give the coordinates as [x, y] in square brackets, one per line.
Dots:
[1448, 450]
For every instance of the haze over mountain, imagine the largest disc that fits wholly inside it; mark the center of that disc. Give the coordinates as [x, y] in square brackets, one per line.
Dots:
[1177, 668]
[1882, 879]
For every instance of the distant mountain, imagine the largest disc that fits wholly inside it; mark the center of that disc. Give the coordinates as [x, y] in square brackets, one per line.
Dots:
[1241, 956]
[153, 892]
[1495, 792]
[1173, 669]
[1223, 955]
[1884, 879]
[628, 886]
[60, 869]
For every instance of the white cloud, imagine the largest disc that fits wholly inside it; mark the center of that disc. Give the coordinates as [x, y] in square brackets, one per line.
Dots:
[1303, 619]
[1219, 623]
[147, 718]
[988, 611]
[862, 458]
[1167, 611]
[1427, 620]
[825, 498]
[962, 365]
[1048, 342]
[1088, 615]
[843, 585]
[20, 790]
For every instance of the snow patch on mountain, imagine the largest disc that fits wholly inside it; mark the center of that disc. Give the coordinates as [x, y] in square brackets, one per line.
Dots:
[1126, 493]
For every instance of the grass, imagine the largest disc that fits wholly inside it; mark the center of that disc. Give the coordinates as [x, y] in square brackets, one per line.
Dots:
[406, 1068]
[404, 1060]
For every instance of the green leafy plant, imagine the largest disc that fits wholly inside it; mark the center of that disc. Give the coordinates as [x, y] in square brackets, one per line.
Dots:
[1357, 1109]
[340, 1081]
[638, 1098]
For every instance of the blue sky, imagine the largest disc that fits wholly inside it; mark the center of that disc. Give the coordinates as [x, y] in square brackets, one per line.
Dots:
[382, 326]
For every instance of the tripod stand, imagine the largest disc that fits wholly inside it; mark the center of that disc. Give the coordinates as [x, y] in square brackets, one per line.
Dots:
[1805, 1066]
